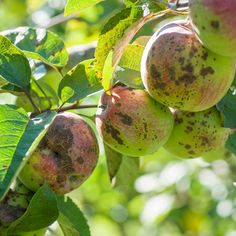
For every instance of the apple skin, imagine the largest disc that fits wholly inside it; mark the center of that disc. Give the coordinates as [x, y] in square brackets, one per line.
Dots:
[132, 123]
[214, 22]
[179, 72]
[66, 156]
[14, 203]
[196, 133]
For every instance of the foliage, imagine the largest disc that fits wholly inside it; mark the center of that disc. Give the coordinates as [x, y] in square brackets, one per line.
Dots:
[43, 71]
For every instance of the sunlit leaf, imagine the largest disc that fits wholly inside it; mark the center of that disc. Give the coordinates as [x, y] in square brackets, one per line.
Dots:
[14, 66]
[112, 32]
[132, 56]
[108, 72]
[114, 160]
[131, 78]
[127, 173]
[72, 220]
[39, 44]
[79, 82]
[74, 6]
[19, 137]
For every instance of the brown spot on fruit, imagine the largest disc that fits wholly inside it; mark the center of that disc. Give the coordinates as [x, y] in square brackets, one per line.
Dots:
[215, 25]
[206, 71]
[114, 133]
[187, 146]
[154, 72]
[205, 55]
[125, 119]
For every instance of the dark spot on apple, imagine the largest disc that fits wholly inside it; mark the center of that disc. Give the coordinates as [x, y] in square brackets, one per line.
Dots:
[187, 146]
[205, 55]
[178, 120]
[61, 178]
[188, 68]
[125, 119]
[181, 60]
[80, 160]
[158, 85]
[206, 71]
[191, 152]
[193, 50]
[172, 73]
[187, 79]
[155, 74]
[74, 178]
[215, 25]
[114, 133]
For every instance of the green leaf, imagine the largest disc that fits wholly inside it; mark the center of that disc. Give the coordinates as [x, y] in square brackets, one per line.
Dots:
[11, 88]
[79, 82]
[129, 77]
[39, 44]
[123, 170]
[108, 71]
[231, 143]
[130, 2]
[41, 212]
[13, 123]
[71, 219]
[127, 174]
[73, 6]
[19, 138]
[152, 5]
[14, 66]
[228, 107]
[112, 32]
[132, 56]
[114, 160]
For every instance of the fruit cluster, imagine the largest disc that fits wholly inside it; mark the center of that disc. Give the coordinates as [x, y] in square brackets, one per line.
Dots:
[188, 66]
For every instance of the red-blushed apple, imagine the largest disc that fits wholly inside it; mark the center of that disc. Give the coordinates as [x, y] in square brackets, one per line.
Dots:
[66, 156]
[132, 123]
[214, 22]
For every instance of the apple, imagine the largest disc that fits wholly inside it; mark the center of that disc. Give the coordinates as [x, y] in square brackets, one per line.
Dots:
[66, 156]
[132, 123]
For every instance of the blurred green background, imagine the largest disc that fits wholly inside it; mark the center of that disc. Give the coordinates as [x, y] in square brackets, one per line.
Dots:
[170, 196]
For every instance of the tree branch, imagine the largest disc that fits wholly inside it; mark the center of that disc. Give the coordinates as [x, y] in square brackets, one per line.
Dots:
[32, 101]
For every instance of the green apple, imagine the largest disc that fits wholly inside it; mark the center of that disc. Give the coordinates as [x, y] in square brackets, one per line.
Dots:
[196, 133]
[179, 72]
